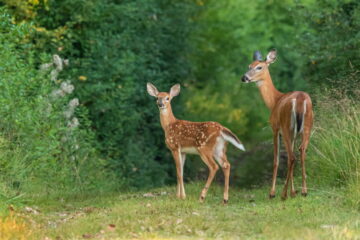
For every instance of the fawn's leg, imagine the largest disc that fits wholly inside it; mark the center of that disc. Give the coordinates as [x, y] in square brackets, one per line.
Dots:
[226, 170]
[206, 156]
[180, 184]
[182, 189]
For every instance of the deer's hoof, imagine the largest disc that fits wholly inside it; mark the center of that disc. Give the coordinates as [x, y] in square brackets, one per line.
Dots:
[304, 194]
[293, 194]
[226, 201]
[202, 199]
[271, 196]
[283, 197]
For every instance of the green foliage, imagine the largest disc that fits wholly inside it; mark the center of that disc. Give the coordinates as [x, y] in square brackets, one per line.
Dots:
[40, 148]
[330, 43]
[334, 156]
[227, 34]
[116, 48]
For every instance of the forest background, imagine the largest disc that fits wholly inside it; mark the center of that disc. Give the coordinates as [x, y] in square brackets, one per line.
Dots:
[76, 117]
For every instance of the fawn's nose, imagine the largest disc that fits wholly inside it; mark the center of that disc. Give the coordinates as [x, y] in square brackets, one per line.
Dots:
[245, 78]
[160, 103]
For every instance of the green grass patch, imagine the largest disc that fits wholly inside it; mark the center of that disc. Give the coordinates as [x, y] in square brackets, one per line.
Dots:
[160, 215]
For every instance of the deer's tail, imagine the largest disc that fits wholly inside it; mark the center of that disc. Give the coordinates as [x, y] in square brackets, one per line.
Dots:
[232, 138]
[297, 116]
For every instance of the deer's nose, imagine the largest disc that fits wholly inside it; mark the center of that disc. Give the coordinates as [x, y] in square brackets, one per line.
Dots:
[160, 103]
[245, 78]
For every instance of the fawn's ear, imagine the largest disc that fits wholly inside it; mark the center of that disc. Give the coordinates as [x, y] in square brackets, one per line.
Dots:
[271, 57]
[175, 90]
[152, 90]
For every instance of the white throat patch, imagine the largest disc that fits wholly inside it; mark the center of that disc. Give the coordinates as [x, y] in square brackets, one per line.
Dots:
[259, 83]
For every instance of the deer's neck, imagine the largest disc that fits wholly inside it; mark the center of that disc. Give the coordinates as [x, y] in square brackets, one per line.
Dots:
[166, 117]
[268, 91]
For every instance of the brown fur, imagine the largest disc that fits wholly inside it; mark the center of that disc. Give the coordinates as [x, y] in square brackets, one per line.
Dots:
[281, 118]
[182, 137]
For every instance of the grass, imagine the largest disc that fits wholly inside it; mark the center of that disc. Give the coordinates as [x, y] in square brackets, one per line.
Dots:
[334, 156]
[159, 215]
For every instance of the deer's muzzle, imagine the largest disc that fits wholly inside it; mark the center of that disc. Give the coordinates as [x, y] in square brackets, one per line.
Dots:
[160, 103]
[245, 79]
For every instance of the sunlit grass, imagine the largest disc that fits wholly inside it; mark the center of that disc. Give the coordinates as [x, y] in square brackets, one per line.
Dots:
[14, 228]
[160, 215]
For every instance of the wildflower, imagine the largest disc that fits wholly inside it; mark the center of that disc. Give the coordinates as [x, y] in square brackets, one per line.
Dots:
[67, 87]
[54, 74]
[58, 62]
[74, 123]
[45, 66]
[57, 93]
[74, 103]
[82, 78]
[68, 113]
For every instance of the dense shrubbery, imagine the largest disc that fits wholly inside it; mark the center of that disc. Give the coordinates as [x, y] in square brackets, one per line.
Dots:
[115, 49]
[330, 42]
[45, 143]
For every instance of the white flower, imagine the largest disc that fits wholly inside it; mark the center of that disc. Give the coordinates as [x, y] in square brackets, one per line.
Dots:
[57, 93]
[68, 113]
[67, 87]
[45, 66]
[74, 103]
[53, 75]
[58, 62]
[74, 123]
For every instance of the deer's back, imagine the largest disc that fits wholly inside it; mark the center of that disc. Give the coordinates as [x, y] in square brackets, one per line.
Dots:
[185, 134]
[281, 114]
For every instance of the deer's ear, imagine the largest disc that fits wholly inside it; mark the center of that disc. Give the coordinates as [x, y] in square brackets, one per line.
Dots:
[152, 90]
[271, 57]
[175, 90]
[257, 56]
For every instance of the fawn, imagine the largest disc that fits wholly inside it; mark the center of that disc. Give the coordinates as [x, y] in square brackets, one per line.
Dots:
[207, 139]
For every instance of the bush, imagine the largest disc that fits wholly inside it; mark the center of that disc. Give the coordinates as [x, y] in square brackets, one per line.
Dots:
[330, 42]
[44, 141]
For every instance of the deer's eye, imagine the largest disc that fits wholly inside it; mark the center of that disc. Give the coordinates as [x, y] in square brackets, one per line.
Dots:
[167, 98]
[258, 68]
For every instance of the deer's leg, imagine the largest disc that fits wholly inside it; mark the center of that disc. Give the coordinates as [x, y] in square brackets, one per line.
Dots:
[182, 190]
[276, 162]
[180, 185]
[290, 162]
[303, 147]
[292, 191]
[220, 157]
[226, 170]
[206, 156]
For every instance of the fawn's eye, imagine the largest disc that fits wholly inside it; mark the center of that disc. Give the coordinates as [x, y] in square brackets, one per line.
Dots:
[167, 98]
[258, 68]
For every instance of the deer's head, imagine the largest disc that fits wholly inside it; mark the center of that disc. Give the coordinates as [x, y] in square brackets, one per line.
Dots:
[258, 69]
[163, 98]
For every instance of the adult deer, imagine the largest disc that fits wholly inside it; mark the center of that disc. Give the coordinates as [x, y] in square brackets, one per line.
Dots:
[207, 139]
[291, 115]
